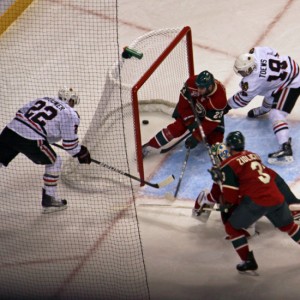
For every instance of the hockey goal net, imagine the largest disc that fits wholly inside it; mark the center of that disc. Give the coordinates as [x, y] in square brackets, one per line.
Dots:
[146, 85]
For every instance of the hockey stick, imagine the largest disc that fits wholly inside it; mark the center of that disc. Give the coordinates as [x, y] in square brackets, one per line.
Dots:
[161, 205]
[158, 185]
[173, 197]
[173, 206]
[165, 150]
[213, 161]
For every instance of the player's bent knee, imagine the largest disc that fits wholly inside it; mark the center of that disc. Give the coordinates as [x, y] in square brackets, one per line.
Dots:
[276, 115]
[234, 233]
[231, 231]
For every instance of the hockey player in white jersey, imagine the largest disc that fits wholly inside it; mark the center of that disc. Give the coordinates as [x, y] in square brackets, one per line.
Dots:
[35, 127]
[276, 78]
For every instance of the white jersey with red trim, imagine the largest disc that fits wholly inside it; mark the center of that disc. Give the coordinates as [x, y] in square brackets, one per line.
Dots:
[272, 74]
[48, 119]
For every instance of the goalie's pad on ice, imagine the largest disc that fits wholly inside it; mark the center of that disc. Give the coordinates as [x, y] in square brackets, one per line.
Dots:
[201, 204]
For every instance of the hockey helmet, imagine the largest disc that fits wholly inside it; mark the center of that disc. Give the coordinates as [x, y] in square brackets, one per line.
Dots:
[235, 141]
[219, 152]
[66, 94]
[205, 79]
[244, 64]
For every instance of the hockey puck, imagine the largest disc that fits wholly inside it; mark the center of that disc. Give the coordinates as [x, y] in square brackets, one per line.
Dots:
[145, 122]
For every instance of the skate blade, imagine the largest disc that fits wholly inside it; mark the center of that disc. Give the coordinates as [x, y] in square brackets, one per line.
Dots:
[283, 161]
[249, 273]
[53, 209]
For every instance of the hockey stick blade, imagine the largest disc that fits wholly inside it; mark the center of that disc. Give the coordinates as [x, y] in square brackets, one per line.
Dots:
[154, 185]
[165, 182]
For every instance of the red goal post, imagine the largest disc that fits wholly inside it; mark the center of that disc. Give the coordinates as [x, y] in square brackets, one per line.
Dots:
[183, 39]
[132, 86]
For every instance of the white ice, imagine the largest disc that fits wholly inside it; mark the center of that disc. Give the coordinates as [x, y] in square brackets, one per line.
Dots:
[186, 258]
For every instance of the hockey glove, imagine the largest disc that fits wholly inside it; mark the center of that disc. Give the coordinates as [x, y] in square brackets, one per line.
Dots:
[191, 126]
[83, 156]
[191, 142]
[227, 109]
[216, 174]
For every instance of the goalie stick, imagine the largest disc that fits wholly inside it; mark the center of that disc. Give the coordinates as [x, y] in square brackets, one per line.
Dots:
[165, 150]
[202, 132]
[175, 206]
[158, 185]
[213, 161]
[169, 196]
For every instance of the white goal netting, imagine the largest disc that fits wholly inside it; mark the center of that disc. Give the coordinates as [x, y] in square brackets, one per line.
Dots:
[156, 79]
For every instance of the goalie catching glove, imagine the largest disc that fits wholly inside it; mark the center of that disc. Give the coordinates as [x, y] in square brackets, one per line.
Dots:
[216, 174]
[83, 156]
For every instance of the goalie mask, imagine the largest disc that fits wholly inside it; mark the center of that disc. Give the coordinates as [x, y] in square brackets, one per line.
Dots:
[244, 64]
[66, 94]
[220, 152]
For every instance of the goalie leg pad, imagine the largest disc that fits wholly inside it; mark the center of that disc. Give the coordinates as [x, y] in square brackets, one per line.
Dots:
[201, 203]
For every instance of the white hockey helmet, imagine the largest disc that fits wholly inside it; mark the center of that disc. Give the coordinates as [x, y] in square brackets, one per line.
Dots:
[244, 64]
[66, 94]
[219, 152]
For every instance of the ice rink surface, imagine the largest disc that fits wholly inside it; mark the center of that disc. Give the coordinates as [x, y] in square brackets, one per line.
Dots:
[187, 259]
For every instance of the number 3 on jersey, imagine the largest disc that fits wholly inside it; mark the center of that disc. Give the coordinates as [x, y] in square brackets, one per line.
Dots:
[263, 177]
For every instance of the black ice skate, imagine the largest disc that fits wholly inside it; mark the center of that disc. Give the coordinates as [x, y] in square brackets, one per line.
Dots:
[249, 265]
[257, 112]
[283, 156]
[50, 204]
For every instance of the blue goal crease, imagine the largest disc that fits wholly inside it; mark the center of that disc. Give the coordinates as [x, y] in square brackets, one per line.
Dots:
[259, 139]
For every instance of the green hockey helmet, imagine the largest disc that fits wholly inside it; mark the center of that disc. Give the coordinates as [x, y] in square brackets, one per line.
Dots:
[235, 141]
[205, 79]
